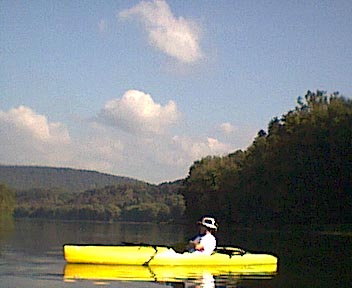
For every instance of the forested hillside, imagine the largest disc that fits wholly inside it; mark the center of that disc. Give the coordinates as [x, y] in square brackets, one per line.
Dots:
[298, 171]
[125, 202]
[70, 194]
[63, 179]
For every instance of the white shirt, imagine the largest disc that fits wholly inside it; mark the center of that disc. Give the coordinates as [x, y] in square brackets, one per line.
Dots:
[208, 241]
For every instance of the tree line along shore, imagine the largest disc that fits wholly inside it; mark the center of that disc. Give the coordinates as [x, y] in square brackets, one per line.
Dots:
[298, 171]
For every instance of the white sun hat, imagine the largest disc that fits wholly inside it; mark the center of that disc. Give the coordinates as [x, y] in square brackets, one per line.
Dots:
[208, 222]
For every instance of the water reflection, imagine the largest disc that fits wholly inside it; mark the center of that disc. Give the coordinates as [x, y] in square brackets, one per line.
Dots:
[6, 228]
[31, 254]
[187, 276]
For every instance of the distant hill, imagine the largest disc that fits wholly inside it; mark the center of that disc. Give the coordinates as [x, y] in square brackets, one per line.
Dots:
[22, 178]
[72, 194]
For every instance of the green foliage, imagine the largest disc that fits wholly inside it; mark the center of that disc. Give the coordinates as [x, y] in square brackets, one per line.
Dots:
[146, 212]
[206, 186]
[128, 202]
[7, 200]
[61, 193]
[298, 172]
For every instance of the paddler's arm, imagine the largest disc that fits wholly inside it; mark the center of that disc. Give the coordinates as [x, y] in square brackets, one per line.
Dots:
[198, 246]
[191, 246]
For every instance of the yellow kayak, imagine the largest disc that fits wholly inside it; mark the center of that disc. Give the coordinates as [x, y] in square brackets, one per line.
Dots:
[163, 273]
[162, 256]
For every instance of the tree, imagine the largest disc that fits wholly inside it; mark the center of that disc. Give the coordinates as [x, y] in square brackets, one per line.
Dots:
[7, 200]
[300, 171]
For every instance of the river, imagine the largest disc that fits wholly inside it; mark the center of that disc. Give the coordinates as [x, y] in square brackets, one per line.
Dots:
[31, 254]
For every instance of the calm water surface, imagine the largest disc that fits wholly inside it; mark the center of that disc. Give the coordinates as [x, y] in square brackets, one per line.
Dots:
[31, 253]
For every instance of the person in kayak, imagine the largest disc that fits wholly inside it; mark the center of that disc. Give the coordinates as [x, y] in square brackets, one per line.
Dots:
[205, 241]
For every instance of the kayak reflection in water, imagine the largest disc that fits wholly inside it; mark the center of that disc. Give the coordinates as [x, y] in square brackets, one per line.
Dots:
[205, 241]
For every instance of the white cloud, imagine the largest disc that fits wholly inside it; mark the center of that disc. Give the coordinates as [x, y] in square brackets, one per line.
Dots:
[97, 150]
[136, 112]
[227, 128]
[29, 138]
[162, 157]
[177, 37]
[193, 149]
[26, 121]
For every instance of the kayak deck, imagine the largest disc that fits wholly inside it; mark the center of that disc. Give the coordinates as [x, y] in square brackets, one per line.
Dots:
[118, 255]
[158, 256]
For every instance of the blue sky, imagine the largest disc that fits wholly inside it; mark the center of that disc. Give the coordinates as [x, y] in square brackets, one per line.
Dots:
[144, 88]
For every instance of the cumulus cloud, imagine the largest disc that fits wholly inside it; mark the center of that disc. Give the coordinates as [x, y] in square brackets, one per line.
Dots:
[193, 149]
[227, 128]
[136, 112]
[29, 138]
[161, 158]
[97, 150]
[177, 37]
[24, 120]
